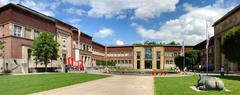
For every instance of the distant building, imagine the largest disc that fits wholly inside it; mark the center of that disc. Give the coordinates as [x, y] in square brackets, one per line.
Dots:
[221, 26]
[156, 56]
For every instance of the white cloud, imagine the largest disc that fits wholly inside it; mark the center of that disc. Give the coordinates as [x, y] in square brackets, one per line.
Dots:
[77, 11]
[121, 17]
[119, 42]
[4, 2]
[46, 8]
[77, 20]
[187, 6]
[190, 27]
[142, 9]
[104, 32]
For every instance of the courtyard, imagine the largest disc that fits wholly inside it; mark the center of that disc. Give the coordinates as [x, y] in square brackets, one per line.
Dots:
[92, 84]
[26, 84]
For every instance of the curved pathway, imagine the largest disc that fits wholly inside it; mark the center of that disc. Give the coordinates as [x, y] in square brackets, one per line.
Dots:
[115, 85]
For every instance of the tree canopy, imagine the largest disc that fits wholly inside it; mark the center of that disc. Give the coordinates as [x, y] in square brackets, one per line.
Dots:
[156, 43]
[191, 58]
[231, 45]
[45, 49]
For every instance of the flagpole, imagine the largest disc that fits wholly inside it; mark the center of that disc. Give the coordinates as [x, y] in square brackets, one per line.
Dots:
[105, 55]
[183, 55]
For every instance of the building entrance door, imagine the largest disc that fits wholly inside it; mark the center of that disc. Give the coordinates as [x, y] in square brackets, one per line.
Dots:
[158, 64]
[138, 64]
[148, 64]
[64, 58]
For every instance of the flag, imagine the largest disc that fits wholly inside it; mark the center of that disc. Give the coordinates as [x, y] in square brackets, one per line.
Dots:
[207, 33]
[182, 51]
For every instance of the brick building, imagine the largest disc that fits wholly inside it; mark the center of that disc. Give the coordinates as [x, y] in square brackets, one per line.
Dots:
[19, 26]
[221, 26]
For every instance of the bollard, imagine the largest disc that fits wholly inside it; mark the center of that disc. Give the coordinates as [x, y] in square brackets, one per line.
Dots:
[153, 72]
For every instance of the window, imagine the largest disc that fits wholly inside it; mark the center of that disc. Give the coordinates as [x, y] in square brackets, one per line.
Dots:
[138, 54]
[36, 33]
[64, 43]
[83, 47]
[158, 55]
[27, 33]
[148, 53]
[17, 31]
[167, 61]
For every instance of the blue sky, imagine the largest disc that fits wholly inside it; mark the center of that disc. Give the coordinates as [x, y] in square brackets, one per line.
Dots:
[123, 22]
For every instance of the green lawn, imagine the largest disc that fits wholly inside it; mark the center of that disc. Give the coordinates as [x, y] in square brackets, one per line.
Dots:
[25, 84]
[180, 86]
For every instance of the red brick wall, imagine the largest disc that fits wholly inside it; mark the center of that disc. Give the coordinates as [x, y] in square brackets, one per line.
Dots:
[5, 16]
[63, 27]
[176, 49]
[120, 49]
[83, 38]
[98, 48]
[13, 46]
[28, 19]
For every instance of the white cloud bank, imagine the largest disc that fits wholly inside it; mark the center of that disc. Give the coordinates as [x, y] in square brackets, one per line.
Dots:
[104, 32]
[142, 9]
[46, 7]
[190, 27]
[119, 42]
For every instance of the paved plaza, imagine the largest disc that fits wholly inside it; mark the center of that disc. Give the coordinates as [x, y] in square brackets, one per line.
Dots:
[115, 85]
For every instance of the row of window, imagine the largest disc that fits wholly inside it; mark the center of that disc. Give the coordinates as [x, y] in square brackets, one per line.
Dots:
[149, 55]
[169, 62]
[84, 46]
[171, 54]
[28, 33]
[119, 54]
[122, 61]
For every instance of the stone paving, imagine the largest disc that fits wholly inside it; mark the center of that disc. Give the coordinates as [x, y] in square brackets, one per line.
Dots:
[115, 85]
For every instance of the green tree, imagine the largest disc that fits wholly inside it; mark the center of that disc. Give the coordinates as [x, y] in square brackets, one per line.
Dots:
[45, 49]
[191, 58]
[173, 43]
[155, 43]
[231, 45]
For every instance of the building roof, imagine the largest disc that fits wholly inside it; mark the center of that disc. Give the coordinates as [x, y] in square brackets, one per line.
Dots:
[21, 7]
[49, 18]
[202, 45]
[227, 15]
[162, 46]
[93, 42]
[120, 46]
[31, 11]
